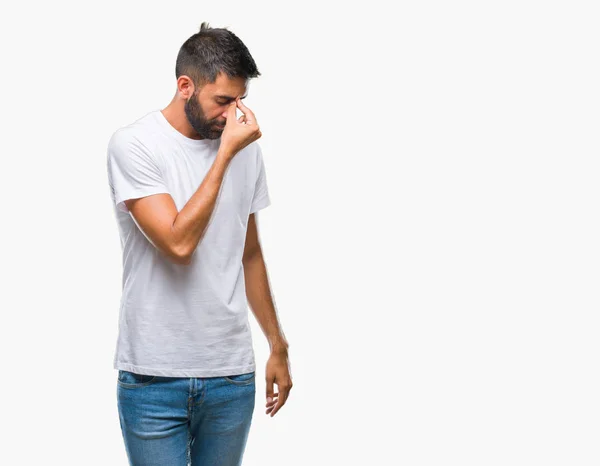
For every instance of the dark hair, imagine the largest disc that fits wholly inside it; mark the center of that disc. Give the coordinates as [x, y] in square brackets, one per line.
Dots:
[210, 51]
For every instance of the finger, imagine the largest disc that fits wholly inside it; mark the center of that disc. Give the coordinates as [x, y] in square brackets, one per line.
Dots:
[242, 119]
[281, 400]
[270, 407]
[231, 111]
[273, 399]
[271, 404]
[270, 393]
[249, 114]
[276, 408]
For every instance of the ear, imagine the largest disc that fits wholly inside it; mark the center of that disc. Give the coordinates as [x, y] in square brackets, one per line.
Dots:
[185, 87]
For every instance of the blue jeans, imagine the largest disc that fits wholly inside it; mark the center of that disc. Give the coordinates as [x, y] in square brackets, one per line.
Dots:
[180, 421]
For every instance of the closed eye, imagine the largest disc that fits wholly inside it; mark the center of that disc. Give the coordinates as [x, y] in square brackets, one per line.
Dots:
[228, 101]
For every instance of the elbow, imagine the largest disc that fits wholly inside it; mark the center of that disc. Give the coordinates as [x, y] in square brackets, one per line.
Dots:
[250, 255]
[182, 260]
[179, 252]
[181, 256]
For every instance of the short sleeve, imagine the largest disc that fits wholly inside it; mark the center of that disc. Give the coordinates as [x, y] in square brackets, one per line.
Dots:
[132, 170]
[261, 198]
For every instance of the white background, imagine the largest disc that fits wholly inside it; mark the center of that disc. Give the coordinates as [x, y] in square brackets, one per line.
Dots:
[432, 243]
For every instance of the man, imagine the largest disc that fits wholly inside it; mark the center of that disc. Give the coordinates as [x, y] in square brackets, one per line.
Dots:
[186, 183]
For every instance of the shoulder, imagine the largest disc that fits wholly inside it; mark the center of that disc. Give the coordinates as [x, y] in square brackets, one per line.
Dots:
[254, 152]
[136, 140]
[255, 158]
[140, 133]
[249, 156]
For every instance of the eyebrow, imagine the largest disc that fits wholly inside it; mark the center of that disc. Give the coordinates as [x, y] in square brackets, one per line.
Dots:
[228, 97]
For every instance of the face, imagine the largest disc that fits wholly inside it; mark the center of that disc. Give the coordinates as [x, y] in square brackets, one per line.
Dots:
[206, 109]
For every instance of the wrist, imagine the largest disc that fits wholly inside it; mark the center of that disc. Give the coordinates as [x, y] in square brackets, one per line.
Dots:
[278, 346]
[225, 153]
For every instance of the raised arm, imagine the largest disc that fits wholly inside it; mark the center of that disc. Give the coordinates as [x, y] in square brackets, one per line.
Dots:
[142, 190]
[177, 234]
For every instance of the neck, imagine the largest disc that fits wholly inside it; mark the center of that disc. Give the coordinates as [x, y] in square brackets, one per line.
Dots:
[175, 115]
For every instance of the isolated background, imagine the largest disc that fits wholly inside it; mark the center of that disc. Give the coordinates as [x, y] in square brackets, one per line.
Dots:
[432, 243]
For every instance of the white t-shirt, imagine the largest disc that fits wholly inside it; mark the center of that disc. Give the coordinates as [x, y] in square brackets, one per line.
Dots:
[183, 320]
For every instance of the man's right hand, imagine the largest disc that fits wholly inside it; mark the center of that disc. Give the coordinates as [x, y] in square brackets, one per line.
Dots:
[238, 133]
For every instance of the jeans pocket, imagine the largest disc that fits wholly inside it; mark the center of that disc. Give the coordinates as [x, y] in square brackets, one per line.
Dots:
[241, 379]
[127, 379]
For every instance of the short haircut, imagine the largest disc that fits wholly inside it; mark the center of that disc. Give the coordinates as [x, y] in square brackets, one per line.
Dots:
[211, 51]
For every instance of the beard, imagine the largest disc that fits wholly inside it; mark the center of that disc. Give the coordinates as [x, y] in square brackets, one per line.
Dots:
[198, 121]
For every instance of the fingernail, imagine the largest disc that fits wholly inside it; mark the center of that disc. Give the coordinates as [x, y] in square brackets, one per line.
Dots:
[269, 399]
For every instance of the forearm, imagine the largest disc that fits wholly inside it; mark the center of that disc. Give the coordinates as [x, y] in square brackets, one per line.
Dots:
[261, 302]
[191, 221]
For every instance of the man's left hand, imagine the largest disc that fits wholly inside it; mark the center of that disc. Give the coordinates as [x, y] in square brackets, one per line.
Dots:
[278, 372]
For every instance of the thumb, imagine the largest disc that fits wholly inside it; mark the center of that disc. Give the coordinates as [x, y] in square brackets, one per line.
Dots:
[270, 392]
[231, 111]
